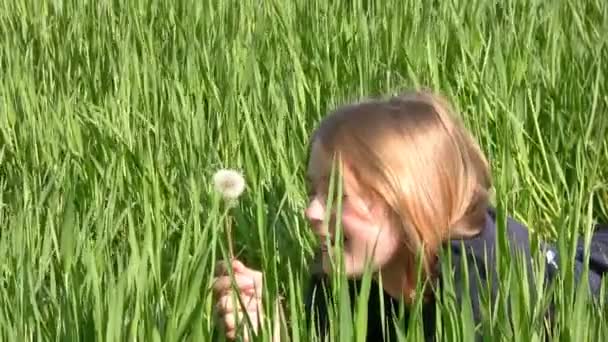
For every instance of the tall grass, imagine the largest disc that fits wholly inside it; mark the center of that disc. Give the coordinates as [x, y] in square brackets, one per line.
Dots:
[114, 114]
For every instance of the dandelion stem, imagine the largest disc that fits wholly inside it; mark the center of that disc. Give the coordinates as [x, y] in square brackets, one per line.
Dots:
[229, 236]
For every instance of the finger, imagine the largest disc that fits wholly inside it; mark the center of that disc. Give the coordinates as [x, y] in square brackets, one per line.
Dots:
[223, 284]
[221, 268]
[240, 268]
[231, 335]
[246, 333]
[257, 276]
[229, 304]
[238, 321]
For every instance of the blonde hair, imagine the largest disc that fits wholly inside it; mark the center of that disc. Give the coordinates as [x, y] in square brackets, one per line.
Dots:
[412, 152]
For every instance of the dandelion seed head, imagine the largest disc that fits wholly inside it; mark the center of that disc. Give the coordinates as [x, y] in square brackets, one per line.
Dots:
[229, 183]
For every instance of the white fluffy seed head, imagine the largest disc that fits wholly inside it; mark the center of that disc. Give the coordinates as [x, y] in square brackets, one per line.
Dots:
[229, 183]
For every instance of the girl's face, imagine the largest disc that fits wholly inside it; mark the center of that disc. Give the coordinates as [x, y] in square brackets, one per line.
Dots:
[367, 234]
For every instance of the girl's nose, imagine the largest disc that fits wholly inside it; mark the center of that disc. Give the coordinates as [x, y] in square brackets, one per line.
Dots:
[315, 211]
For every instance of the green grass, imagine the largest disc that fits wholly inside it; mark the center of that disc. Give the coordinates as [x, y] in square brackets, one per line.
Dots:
[115, 114]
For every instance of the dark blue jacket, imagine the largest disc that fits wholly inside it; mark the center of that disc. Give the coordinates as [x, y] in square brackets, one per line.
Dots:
[479, 253]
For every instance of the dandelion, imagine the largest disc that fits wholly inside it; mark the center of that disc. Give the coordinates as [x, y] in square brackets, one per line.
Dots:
[230, 184]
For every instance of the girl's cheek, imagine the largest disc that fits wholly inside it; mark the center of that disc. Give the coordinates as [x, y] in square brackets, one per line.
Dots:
[354, 221]
[359, 231]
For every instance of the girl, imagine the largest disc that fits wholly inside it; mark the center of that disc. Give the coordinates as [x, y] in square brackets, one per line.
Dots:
[414, 182]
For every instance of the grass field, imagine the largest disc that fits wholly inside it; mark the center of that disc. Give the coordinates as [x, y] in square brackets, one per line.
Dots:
[115, 114]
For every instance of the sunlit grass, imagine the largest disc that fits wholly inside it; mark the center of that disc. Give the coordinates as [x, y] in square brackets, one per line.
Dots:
[115, 114]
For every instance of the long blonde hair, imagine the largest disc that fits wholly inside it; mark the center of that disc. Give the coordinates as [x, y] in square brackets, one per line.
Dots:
[412, 152]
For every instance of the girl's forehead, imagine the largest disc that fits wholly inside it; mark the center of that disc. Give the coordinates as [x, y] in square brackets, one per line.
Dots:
[320, 166]
[317, 163]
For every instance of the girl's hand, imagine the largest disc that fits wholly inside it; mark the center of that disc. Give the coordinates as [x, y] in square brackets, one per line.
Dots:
[228, 309]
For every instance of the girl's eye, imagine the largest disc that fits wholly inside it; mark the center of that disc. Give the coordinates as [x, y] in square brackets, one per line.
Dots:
[310, 194]
[310, 191]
